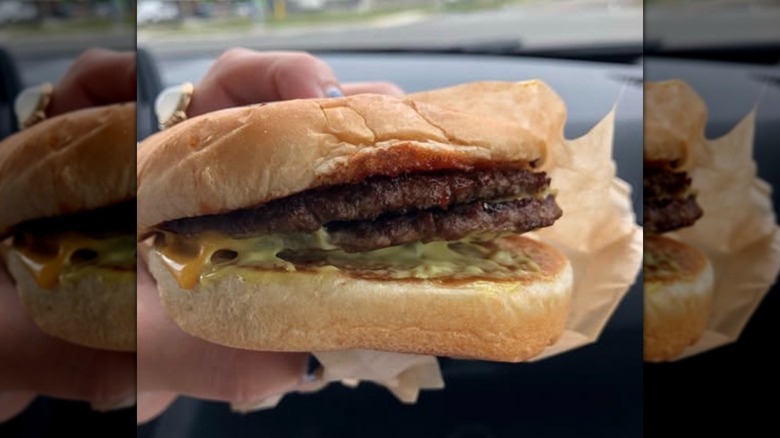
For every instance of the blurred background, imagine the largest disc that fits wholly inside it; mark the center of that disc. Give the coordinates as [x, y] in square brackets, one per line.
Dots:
[743, 31]
[500, 26]
[729, 52]
[54, 27]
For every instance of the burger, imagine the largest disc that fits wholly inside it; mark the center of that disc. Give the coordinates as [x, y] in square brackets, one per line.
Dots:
[67, 224]
[368, 222]
[678, 279]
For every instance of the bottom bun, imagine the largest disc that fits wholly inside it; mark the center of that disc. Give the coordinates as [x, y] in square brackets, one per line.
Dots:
[332, 310]
[96, 311]
[678, 294]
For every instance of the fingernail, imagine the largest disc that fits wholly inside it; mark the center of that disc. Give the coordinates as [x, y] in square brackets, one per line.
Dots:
[333, 91]
[266, 403]
[313, 369]
[114, 405]
[151, 404]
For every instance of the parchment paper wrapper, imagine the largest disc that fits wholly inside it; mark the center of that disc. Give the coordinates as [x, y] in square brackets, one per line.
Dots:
[738, 232]
[597, 231]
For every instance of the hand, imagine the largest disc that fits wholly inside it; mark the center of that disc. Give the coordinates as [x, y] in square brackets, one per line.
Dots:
[32, 362]
[97, 77]
[243, 77]
[171, 362]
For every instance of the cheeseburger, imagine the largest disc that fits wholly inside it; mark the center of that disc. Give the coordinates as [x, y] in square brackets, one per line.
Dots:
[67, 224]
[360, 222]
[678, 279]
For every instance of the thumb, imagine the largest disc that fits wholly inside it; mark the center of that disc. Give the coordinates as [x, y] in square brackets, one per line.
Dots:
[97, 77]
[243, 77]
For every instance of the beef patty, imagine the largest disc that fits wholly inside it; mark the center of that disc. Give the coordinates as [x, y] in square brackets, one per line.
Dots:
[517, 216]
[668, 203]
[383, 211]
[101, 222]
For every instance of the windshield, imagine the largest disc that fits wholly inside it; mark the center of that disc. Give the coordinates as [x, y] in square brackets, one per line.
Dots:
[494, 26]
[685, 24]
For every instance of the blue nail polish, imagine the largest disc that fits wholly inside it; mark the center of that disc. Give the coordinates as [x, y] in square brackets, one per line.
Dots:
[312, 369]
[334, 92]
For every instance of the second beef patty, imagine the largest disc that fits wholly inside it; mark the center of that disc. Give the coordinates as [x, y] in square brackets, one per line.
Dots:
[382, 211]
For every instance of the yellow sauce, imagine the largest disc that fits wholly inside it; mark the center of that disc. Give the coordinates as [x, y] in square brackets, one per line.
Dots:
[50, 258]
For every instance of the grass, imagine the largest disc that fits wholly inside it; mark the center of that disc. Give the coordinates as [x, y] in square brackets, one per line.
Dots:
[320, 18]
[312, 19]
[55, 28]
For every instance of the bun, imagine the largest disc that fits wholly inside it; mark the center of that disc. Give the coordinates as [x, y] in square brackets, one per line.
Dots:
[331, 310]
[242, 157]
[65, 165]
[98, 311]
[678, 281]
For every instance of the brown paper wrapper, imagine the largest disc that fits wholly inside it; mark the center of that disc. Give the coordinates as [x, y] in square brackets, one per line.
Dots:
[597, 231]
[738, 232]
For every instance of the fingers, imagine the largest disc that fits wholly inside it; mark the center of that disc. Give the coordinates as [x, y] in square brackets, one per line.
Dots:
[153, 403]
[97, 77]
[33, 361]
[172, 361]
[386, 88]
[243, 77]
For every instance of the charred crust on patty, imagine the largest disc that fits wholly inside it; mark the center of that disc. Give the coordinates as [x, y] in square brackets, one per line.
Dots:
[444, 200]
[670, 204]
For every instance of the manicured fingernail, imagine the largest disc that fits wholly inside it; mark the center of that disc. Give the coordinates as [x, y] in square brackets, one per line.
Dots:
[333, 91]
[114, 405]
[313, 367]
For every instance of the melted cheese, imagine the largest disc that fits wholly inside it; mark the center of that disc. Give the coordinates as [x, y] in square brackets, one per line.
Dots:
[188, 259]
[191, 259]
[49, 258]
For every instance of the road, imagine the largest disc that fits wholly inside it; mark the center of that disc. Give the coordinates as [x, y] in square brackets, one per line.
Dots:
[558, 24]
[534, 26]
[549, 24]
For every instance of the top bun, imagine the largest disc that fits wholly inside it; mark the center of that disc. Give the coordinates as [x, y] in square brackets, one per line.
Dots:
[675, 118]
[71, 163]
[242, 157]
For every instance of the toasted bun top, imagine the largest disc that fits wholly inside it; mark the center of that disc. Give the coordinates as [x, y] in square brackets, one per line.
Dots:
[668, 261]
[242, 157]
[75, 162]
[674, 118]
